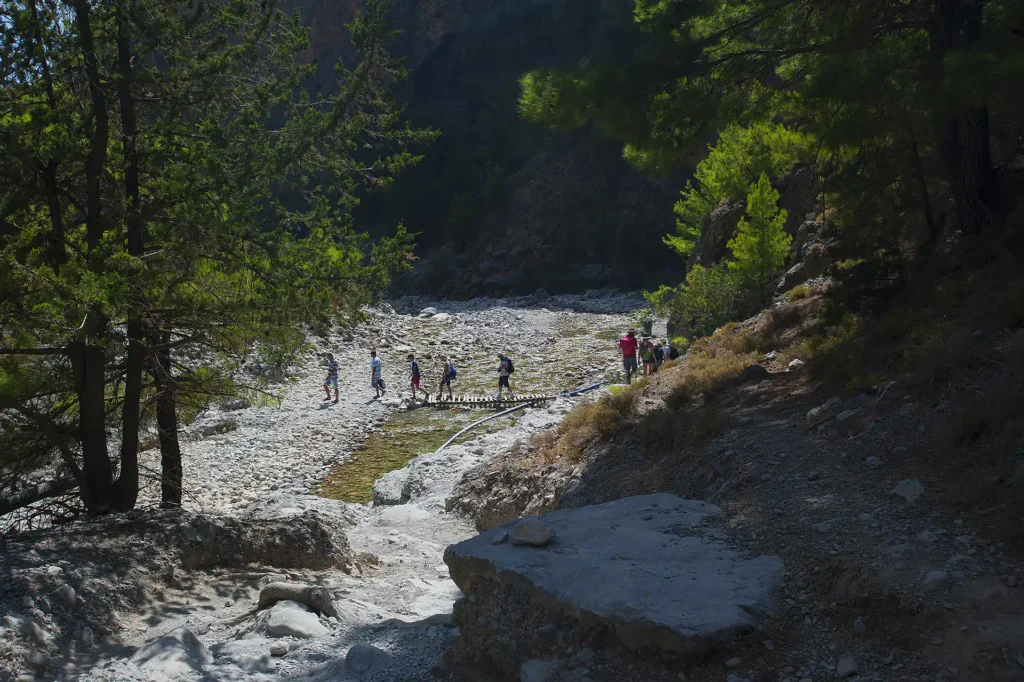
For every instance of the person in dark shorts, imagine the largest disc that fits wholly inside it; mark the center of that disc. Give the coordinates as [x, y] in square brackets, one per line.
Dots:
[628, 346]
[447, 375]
[376, 373]
[503, 375]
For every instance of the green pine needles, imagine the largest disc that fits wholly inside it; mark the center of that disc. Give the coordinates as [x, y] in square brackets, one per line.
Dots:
[761, 244]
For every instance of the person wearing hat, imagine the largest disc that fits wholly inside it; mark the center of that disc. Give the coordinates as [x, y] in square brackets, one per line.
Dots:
[628, 346]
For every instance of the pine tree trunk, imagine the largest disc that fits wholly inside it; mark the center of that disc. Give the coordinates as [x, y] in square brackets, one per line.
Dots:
[88, 363]
[167, 425]
[100, 133]
[963, 139]
[128, 480]
[964, 147]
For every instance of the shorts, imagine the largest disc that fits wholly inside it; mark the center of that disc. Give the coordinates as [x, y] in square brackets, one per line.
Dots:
[629, 364]
[332, 381]
[415, 382]
[376, 382]
[503, 381]
[447, 381]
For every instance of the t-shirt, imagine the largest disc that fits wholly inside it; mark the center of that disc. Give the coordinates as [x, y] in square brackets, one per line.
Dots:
[627, 344]
[503, 368]
[646, 354]
[375, 366]
[332, 368]
[666, 353]
[415, 368]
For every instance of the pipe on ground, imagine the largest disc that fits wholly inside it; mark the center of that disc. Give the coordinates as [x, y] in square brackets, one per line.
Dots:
[513, 409]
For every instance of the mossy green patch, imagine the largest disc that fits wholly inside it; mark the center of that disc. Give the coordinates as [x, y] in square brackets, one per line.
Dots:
[406, 435]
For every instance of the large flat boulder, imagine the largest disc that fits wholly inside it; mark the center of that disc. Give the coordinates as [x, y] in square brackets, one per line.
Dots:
[650, 570]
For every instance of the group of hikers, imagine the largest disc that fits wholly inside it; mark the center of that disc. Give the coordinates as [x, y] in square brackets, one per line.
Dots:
[652, 354]
[505, 370]
[636, 353]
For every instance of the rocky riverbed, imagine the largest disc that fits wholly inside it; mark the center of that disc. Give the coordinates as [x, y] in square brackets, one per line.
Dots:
[70, 615]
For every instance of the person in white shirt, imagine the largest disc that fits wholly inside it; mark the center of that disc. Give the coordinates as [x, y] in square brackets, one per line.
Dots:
[447, 374]
[376, 379]
[666, 352]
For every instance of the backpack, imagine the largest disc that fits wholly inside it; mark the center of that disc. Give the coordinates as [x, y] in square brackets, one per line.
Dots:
[509, 367]
[451, 370]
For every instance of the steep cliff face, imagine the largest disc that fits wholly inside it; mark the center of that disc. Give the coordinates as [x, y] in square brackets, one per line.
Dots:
[502, 205]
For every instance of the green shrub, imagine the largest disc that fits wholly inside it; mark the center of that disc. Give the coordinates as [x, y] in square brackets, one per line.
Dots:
[738, 159]
[800, 291]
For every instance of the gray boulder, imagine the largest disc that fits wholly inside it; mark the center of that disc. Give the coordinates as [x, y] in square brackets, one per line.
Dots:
[639, 566]
[536, 670]
[712, 244]
[65, 596]
[291, 619]
[533, 532]
[177, 654]
[910, 489]
[366, 658]
[392, 488]
[754, 373]
[428, 312]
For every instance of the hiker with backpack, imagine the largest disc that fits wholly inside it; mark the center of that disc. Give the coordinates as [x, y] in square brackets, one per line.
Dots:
[647, 356]
[505, 370]
[628, 347]
[376, 374]
[414, 369]
[447, 376]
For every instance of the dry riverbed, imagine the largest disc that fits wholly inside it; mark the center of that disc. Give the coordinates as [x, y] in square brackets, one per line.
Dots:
[269, 464]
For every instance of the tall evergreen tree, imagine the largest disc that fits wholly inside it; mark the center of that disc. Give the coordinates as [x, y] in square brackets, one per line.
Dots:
[761, 244]
[171, 184]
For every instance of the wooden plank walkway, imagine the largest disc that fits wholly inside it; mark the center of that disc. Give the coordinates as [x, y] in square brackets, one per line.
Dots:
[487, 402]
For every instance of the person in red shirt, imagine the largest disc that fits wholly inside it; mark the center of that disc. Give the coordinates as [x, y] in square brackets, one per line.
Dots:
[628, 346]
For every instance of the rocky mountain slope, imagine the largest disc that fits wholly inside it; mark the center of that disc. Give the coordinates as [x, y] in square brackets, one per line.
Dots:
[502, 205]
[893, 503]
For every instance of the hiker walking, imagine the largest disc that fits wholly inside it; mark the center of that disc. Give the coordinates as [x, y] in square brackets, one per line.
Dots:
[414, 381]
[628, 346]
[376, 378]
[332, 378]
[666, 352]
[447, 374]
[505, 370]
[647, 356]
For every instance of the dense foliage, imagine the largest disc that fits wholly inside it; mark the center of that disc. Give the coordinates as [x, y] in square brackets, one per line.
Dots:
[903, 102]
[168, 186]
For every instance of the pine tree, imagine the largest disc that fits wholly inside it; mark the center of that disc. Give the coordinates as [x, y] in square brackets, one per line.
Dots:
[170, 184]
[761, 244]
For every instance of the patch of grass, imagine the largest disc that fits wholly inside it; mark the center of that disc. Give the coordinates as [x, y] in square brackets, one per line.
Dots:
[705, 372]
[677, 427]
[589, 422]
[800, 291]
[405, 436]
